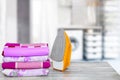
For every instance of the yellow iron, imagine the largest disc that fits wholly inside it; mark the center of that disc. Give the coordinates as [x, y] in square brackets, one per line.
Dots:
[61, 51]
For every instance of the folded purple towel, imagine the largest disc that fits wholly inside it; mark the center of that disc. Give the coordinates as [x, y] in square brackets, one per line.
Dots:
[26, 65]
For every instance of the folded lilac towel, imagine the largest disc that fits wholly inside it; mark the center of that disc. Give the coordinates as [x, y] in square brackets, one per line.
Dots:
[25, 72]
[26, 65]
[25, 59]
[25, 52]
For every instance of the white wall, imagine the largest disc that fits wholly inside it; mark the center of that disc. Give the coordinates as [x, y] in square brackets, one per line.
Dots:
[64, 12]
[64, 15]
[79, 12]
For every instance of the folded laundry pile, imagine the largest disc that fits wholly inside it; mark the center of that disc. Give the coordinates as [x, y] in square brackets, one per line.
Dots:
[25, 59]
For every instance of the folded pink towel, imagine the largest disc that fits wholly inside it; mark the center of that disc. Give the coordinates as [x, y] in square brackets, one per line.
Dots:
[12, 45]
[25, 72]
[25, 52]
[25, 59]
[26, 65]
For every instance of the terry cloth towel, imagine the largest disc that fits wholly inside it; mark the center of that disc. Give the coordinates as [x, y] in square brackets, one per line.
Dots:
[25, 59]
[26, 65]
[12, 45]
[18, 52]
[61, 51]
[25, 72]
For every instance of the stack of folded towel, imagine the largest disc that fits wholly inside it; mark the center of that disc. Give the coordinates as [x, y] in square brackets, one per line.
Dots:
[25, 59]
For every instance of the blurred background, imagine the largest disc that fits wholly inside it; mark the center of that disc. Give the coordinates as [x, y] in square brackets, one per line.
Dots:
[92, 25]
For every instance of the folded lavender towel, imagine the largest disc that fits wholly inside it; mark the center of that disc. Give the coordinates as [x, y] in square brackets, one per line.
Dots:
[25, 72]
[25, 59]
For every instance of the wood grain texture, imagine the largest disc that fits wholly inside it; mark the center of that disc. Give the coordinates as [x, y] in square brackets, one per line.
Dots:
[77, 71]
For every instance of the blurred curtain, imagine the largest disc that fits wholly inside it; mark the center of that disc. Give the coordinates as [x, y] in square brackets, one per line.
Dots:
[8, 22]
[2, 24]
[43, 20]
[2, 21]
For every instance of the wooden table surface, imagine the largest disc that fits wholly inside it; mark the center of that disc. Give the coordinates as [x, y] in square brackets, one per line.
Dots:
[77, 71]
